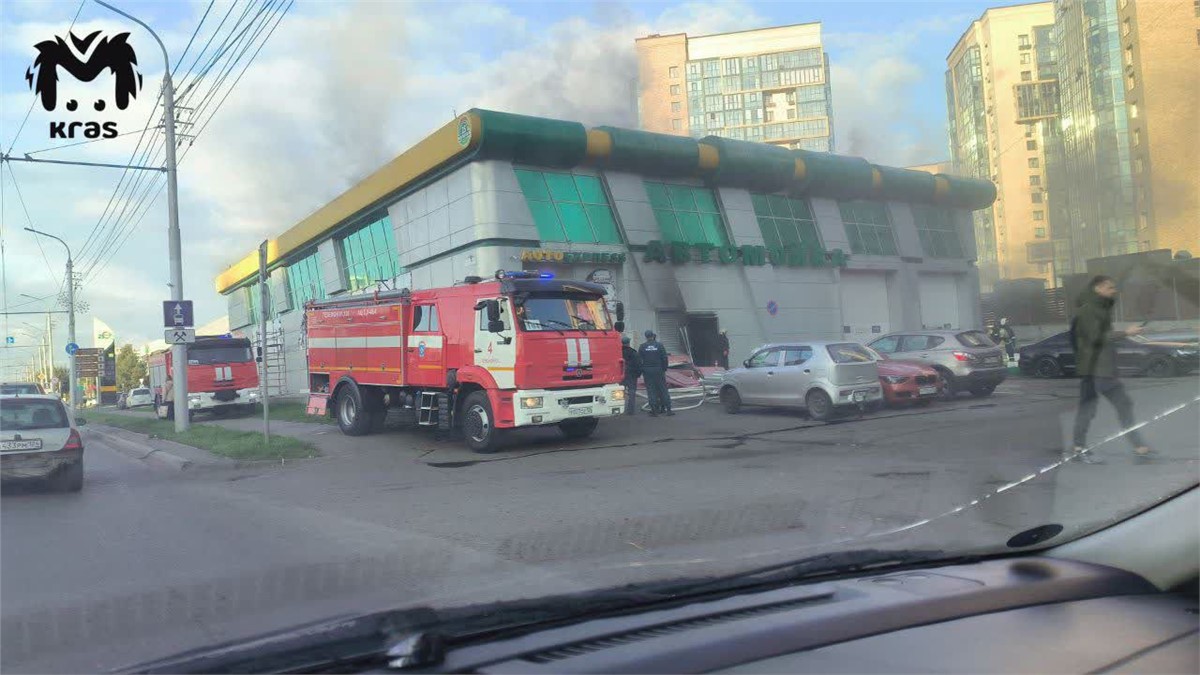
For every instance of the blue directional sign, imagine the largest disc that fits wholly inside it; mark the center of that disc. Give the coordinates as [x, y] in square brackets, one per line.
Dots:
[10, 340]
[72, 348]
[772, 307]
[177, 314]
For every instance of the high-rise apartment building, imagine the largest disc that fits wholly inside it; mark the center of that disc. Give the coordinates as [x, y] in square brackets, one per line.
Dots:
[1090, 167]
[1160, 59]
[999, 86]
[769, 85]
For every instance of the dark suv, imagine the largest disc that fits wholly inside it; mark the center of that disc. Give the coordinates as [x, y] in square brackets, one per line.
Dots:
[966, 359]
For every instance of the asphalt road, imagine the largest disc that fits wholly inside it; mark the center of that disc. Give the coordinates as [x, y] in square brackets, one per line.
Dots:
[146, 562]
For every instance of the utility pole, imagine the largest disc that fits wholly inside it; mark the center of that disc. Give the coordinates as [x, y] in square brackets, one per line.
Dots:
[70, 315]
[264, 308]
[179, 351]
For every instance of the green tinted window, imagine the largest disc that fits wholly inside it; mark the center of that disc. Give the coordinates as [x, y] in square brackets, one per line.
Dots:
[304, 281]
[567, 207]
[785, 221]
[369, 254]
[935, 227]
[868, 227]
[687, 214]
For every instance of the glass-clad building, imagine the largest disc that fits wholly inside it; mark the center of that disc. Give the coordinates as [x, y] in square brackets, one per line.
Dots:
[694, 236]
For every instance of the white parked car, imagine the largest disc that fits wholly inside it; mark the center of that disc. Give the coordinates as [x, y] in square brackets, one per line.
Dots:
[138, 397]
[820, 377]
[39, 439]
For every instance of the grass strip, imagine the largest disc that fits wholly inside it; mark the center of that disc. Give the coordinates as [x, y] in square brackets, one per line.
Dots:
[244, 445]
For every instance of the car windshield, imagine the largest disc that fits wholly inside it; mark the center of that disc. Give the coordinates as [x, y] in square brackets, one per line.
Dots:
[21, 414]
[213, 355]
[834, 233]
[540, 313]
[974, 338]
[850, 353]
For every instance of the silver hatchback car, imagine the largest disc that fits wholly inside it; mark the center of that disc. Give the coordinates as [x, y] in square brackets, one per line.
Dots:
[820, 377]
[967, 360]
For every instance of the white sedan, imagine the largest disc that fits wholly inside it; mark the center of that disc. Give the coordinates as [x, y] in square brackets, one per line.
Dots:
[138, 397]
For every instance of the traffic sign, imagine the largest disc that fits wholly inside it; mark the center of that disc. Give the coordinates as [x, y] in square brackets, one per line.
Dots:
[772, 307]
[72, 348]
[179, 336]
[177, 314]
[10, 340]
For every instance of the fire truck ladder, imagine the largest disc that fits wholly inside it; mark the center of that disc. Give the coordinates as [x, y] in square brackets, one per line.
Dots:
[275, 362]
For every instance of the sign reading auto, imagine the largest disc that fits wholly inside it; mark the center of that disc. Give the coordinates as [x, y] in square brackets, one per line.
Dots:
[542, 255]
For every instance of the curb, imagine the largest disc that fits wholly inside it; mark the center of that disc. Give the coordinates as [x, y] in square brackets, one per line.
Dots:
[142, 451]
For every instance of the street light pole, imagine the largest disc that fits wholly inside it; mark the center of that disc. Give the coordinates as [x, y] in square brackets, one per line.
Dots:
[178, 352]
[71, 315]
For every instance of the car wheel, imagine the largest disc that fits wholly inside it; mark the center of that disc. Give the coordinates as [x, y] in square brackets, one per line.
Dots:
[731, 400]
[949, 388]
[1047, 366]
[352, 416]
[1160, 367]
[820, 406]
[982, 390]
[578, 428]
[69, 478]
[478, 423]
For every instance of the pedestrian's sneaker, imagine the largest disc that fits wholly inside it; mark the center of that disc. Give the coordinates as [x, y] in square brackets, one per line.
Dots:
[1087, 456]
[1144, 455]
[670, 413]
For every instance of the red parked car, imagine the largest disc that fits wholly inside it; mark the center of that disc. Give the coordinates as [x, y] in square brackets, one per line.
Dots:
[908, 382]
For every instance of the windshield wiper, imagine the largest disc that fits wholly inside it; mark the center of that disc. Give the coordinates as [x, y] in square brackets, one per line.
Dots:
[580, 319]
[420, 637]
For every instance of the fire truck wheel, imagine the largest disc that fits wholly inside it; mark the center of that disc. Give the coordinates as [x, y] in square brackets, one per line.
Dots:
[352, 417]
[478, 423]
[579, 428]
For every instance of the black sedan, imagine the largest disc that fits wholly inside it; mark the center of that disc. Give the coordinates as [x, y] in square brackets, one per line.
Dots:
[1136, 355]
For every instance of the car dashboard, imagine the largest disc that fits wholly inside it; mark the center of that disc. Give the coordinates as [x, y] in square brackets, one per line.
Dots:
[1005, 615]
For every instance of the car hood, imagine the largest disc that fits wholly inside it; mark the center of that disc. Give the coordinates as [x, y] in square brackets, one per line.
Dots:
[903, 368]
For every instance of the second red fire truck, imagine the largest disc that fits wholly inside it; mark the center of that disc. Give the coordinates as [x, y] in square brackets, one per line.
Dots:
[519, 350]
[222, 377]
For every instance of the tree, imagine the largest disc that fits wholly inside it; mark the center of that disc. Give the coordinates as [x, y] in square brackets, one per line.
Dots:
[131, 368]
[62, 375]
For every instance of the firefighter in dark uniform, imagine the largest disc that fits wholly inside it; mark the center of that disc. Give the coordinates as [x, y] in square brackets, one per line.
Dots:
[654, 372]
[633, 370]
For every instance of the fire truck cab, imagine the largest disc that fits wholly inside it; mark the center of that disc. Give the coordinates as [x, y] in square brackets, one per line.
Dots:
[222, 377]
[482, 356]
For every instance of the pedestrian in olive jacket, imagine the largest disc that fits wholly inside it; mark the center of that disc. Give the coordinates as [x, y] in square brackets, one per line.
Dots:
[1096, 364]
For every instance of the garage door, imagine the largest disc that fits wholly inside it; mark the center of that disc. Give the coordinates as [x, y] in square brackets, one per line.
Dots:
[939, 300]
[864, 297]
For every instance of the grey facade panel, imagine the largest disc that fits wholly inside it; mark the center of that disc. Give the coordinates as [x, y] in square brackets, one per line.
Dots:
[332, 269]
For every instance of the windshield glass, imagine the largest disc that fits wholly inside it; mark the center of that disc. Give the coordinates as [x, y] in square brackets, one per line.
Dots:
[974, 338]
[692, 219]
[211, 355]
[540, 313]
[25, 414]
[849, 353]
[12, 389]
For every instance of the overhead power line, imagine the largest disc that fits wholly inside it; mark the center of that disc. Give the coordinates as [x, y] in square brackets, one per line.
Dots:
[145, 201]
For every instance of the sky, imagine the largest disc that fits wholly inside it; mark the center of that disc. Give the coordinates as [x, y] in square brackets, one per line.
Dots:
[341, 88]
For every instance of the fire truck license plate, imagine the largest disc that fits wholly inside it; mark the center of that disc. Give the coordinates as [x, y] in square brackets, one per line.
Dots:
[580, 410]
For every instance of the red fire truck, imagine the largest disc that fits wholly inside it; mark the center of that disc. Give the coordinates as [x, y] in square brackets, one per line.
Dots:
[222, 377]
[521, 350]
